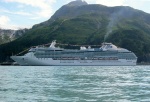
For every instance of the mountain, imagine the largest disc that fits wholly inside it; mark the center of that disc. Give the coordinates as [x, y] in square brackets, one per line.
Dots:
[66, 11]
[10, 35]
[77, 3]
[82, 23]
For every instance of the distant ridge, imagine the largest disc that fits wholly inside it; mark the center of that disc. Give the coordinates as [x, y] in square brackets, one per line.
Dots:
[8, 35]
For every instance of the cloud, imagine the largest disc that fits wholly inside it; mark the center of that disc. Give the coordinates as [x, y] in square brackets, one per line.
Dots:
[35, 18]
[15, 13]
[44, 6]
[22, 13]
[25, 10]
[4, 20]
[7, 24]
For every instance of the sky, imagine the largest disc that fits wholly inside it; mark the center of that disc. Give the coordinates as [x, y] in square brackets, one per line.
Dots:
[18, 14]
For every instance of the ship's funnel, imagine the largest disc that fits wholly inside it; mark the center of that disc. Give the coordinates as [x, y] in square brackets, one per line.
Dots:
[53, 44]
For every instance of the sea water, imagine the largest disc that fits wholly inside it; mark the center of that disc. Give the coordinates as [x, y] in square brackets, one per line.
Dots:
[75, 84]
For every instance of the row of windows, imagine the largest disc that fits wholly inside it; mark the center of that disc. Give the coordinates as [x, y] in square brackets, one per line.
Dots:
[98, 54]
[80, 58]
[73, 52]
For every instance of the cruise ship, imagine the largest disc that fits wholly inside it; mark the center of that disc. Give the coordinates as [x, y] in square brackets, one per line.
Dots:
[106, 55]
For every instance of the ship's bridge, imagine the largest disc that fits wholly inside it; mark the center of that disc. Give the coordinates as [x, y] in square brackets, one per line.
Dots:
[108, 46]
[111, 47]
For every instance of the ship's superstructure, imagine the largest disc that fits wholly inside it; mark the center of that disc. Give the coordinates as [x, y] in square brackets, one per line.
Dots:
[107, 55]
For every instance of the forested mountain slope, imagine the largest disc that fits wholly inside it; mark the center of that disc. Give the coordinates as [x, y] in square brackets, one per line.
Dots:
[81, 23]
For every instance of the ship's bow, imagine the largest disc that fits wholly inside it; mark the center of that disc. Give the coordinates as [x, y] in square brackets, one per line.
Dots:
[20, 60]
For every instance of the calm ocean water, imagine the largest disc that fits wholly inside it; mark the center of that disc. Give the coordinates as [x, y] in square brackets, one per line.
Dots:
[75, 84]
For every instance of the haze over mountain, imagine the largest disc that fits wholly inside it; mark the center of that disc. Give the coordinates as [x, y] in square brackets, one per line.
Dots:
[81, 23]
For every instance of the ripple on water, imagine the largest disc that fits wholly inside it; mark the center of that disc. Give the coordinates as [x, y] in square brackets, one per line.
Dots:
[65, 84]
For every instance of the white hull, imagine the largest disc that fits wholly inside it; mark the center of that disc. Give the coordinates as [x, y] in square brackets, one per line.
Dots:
[107, 55]
[33, 61]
